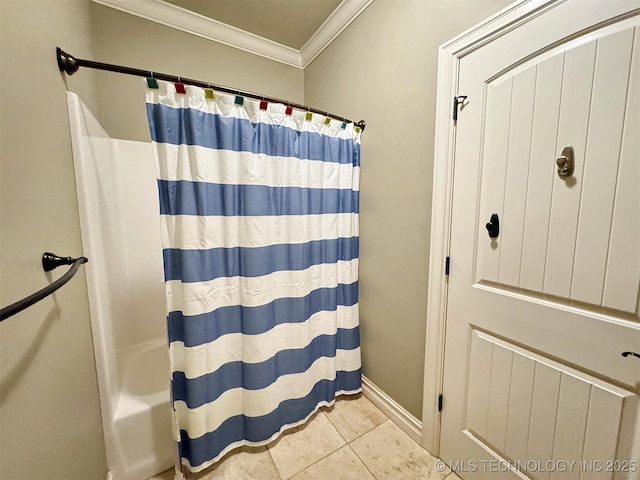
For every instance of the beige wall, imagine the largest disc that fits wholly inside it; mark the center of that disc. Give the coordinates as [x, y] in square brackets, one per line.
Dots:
[382, 68]
[127, 40]
[49, 413]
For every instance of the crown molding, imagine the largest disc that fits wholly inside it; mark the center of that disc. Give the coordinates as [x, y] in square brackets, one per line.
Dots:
[196, 24]
[333, 26]
[179, 18]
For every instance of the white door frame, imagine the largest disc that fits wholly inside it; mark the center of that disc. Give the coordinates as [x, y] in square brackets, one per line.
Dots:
[449, 55]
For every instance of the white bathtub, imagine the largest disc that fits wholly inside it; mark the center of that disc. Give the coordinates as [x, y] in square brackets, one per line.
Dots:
[119, 221]
[142, 416]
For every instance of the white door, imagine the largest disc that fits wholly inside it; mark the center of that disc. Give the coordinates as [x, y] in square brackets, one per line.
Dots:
[538, 317]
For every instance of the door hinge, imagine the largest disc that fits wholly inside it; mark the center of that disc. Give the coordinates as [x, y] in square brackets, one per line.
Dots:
[447, 263]
[457, 101]
[440, 402]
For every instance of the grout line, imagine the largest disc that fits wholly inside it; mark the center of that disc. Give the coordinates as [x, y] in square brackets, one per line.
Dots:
[320, 411]
[334, 426]
[317, 461]
[346, 444]
[356, 453]
[362, 461]
[371, 430]
[273, 462]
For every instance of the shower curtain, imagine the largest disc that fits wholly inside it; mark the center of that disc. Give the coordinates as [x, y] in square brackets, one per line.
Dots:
[259, 212]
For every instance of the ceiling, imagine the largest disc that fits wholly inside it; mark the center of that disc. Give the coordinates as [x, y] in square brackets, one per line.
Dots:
[293, 32]
[289, 22]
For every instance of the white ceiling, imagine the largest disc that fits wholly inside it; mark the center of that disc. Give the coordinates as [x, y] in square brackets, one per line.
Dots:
[293, 32]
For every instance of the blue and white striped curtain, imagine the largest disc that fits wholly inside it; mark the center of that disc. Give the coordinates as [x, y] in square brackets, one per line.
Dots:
[259, 211]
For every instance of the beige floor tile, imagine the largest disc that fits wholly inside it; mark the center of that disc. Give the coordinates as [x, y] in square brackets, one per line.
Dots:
[305, 445]
[167, 475]
[453, 476]
[355, 416]
[246, 463]
[390, 454]
[342, 464]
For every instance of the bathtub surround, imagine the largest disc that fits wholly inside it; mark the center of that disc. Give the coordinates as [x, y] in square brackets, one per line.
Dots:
[259, 221]
[118, 206]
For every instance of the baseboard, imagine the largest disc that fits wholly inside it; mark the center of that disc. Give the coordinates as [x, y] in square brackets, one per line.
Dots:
[397, 414]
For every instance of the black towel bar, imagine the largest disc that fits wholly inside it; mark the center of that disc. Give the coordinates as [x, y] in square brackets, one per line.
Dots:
[49, 262]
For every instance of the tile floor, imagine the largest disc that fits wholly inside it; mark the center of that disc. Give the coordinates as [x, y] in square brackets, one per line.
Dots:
[352, 440]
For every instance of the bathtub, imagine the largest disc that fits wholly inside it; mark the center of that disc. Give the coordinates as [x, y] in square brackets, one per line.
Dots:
[119, 223]
[143, 414]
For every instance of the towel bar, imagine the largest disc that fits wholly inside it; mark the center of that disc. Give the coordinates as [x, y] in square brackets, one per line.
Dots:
[49, 262]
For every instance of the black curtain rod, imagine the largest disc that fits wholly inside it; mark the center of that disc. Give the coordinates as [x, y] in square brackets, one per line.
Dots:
[70, 65]
[49, 262]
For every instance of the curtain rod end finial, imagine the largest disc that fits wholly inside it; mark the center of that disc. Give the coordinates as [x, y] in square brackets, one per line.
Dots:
[66, 63]
[51, 261]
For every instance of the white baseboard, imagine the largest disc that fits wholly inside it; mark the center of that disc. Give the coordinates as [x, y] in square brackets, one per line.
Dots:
[397, 414]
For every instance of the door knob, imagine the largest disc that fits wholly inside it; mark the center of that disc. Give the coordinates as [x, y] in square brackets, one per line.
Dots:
[626, 354]
[493, 227]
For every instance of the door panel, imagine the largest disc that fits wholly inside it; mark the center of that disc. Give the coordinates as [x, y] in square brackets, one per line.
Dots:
[531, 409]
[555, 232]
[523, 378]
[544, 405]
[537, 317]
[565, 203]
[496, 148]
[540, 180]
[624, 255]
[515, 186]
[606, 125]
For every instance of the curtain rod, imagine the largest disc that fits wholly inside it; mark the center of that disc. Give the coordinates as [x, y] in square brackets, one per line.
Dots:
[49, 262]
[70, 65]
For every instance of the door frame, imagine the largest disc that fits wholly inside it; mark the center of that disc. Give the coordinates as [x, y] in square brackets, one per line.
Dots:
[449, 55]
